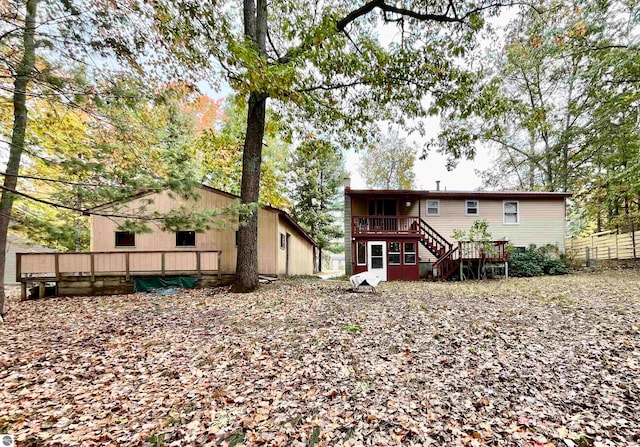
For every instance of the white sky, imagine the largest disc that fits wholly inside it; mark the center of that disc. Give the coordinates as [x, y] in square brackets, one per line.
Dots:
[462, 178]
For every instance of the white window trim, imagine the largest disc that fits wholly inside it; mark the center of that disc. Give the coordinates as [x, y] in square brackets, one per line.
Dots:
[466, 212]
[427, 207]
[504, 214]
[414, 253]
[365, 253]
[399, 253]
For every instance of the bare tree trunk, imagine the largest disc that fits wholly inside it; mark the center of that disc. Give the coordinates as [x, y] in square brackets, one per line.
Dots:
[255, 22]
[23, 75]
[247, 262]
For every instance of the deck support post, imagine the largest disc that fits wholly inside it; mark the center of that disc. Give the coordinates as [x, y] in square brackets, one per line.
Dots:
[127, 272]
[93, 267]
[57, 266]
[23, 291]
[198, 269]
[41, 289]
[162, 263]
[219, 269]
[506, 269]
[461, 269]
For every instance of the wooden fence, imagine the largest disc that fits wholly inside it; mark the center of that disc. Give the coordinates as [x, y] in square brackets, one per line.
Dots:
[607, 245]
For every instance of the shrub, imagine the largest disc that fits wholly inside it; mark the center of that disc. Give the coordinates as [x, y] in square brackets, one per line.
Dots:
[535, 261]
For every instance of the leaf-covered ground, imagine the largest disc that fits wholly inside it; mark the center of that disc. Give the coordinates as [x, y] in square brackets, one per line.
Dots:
[545, 361]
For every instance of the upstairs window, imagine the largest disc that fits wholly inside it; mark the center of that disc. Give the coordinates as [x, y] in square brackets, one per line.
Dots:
[511, 212]
[433, 207]
[394, 253]
[125, 239]
[283, 241]
[185, 238]
[472, 208]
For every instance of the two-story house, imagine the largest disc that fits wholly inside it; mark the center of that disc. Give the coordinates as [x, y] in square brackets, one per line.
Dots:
[405, 234]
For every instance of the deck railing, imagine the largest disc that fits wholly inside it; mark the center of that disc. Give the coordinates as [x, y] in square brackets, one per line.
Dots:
[385, 224]
[490, 251]
[53, 266]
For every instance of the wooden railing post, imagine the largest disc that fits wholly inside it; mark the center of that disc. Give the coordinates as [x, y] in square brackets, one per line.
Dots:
[198, 265]
[127, 272]
[93, 267]
[56, 262]
[162, 263]
[219, 269]
[19, 268]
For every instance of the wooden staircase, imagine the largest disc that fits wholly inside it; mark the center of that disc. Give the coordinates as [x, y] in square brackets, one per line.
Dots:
[447, 255]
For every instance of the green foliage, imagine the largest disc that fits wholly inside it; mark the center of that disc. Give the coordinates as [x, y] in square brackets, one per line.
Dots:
[352, 328]
[537, 261]
[220, 151]
[559, 102]
[388, 163]
[316, 173]
[85, 159]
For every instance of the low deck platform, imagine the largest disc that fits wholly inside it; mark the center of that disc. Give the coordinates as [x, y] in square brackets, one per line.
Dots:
[112, 272]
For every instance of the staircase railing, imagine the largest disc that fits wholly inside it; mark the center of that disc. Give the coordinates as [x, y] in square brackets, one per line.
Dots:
[446, 264]
[433, 240]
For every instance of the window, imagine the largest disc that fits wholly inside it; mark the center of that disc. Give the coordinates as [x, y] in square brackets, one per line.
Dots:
[433, 207]
[361, 249]
[283, 242]
[394, 253]
[377, 256]
[237, 237]
[125, 239]
[185, 238]
[472, 208]
[511, 212]
[409, 252]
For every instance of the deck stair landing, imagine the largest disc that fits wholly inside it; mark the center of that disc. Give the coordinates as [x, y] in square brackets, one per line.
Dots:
[447, 255]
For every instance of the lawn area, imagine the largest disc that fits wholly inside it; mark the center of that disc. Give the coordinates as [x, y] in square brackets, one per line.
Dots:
[543, 361]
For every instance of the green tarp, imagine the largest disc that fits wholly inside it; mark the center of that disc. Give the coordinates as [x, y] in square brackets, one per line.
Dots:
[156, 282]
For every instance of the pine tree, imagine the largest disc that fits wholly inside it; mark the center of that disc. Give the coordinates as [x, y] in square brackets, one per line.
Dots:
[317, 171]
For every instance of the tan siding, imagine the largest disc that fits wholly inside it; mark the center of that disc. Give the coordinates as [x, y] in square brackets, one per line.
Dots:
[541, 221]
[300, 252]
[267, 227]
[103, 231]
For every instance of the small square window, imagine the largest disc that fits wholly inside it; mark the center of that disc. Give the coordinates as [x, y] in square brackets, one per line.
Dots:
[185, 238]
[433, 207]
[283, 242]
[472, 208]
[125, 239]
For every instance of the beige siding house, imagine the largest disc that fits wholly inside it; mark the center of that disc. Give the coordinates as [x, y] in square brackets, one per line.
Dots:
[385, 229]
[284, 248]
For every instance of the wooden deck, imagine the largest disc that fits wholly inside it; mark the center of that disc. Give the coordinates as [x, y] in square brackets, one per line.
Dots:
[385, 225]
[95, 267]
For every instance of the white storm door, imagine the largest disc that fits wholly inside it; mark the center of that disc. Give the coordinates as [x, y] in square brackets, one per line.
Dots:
[377, 260]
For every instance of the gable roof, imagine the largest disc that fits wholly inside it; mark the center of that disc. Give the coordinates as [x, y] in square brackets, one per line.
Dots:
[458, 194]
[283, 214]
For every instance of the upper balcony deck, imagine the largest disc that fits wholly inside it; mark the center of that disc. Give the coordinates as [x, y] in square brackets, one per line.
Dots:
[385, 225]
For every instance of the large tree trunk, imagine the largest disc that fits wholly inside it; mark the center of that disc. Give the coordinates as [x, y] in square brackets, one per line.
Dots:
[247, 263]
[255, 29]
[23, 75]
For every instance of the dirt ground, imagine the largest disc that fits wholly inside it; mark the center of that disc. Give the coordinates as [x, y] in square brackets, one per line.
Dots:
[527, 362]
